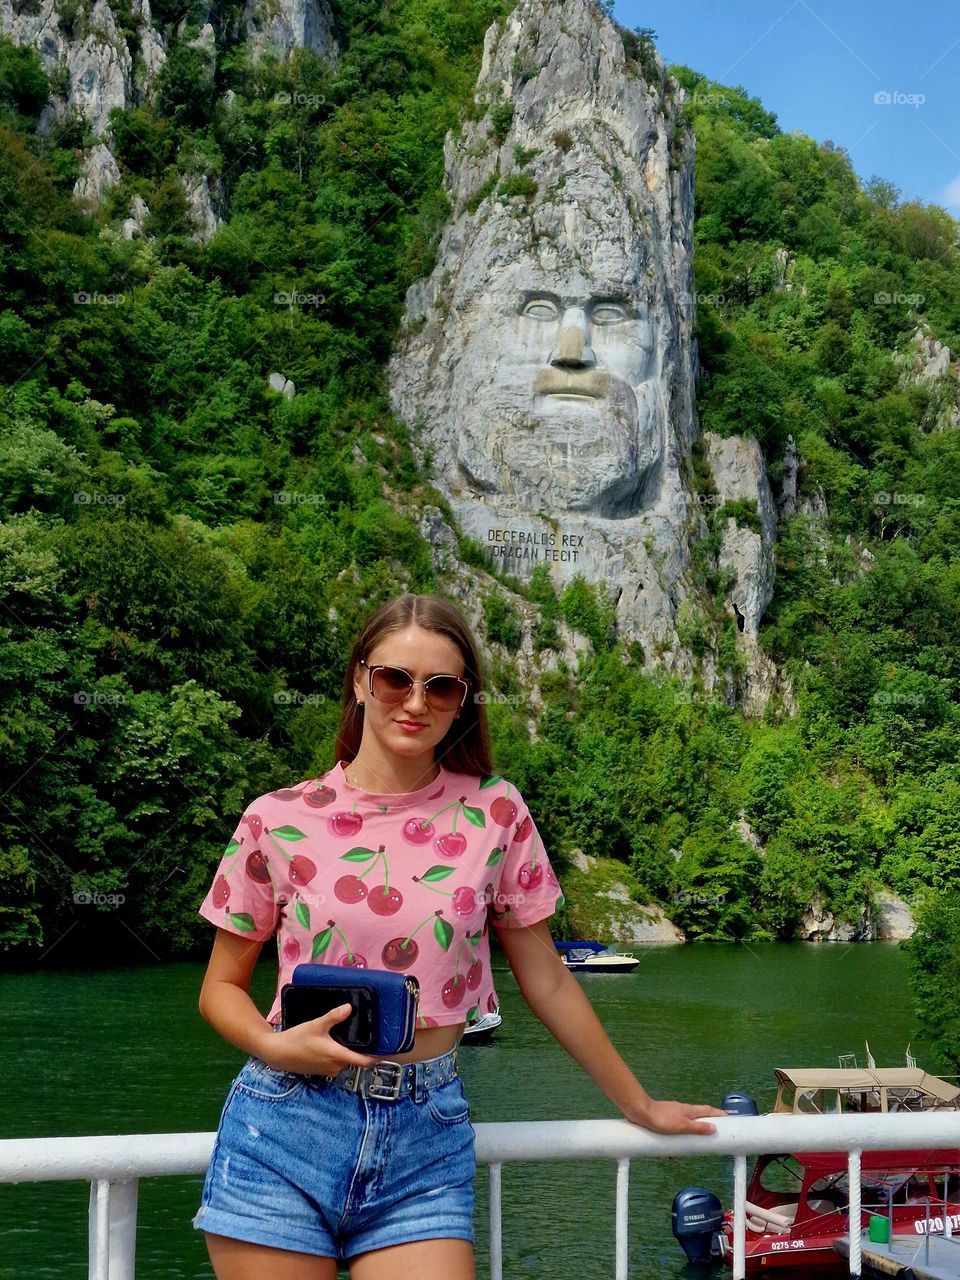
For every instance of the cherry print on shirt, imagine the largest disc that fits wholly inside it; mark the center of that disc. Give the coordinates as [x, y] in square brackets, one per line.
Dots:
[289, 793]
[464, 898]
[420, 830]
[401, 953]
[352, 960]
[383, 899]
[319, 797]
[255, 823]
[302, 868]
[255, 866]
[455, 988]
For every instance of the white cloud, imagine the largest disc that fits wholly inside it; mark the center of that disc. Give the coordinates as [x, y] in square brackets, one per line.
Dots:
[951, 195]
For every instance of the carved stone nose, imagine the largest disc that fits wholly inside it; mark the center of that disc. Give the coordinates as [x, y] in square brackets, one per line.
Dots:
[572, 351]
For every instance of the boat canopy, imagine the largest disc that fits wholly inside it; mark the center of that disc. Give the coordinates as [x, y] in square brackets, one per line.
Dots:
[592, 947]
[883, 1089]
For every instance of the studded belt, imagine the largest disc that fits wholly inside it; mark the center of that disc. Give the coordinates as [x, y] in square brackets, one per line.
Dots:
[386, 1081]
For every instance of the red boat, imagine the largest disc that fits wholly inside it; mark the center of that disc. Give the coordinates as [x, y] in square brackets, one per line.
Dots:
[797, 1204]
[797, 1228]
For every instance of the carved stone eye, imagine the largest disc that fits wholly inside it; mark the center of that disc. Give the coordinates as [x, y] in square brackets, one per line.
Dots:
[540, 309]
[608, 313]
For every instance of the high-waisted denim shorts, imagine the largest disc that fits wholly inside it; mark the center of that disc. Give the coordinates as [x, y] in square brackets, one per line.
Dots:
[302, 1163]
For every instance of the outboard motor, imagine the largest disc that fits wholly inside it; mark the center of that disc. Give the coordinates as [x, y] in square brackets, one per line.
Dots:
[739, 1104]
[698, 1224]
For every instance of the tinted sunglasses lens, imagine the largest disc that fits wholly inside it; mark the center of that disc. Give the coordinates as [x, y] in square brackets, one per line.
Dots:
[390, 684]
[445, 693]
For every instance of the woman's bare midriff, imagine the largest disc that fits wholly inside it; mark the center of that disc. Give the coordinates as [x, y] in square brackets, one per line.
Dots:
[430, 1042]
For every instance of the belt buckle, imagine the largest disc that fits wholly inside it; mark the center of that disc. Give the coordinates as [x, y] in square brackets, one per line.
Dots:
[377, 1082]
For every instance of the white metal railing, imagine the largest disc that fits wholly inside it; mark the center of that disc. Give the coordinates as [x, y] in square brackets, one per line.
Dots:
[113, 1165]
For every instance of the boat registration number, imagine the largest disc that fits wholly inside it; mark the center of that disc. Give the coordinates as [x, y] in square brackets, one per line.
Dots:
[779, 1246]
[937, 1224]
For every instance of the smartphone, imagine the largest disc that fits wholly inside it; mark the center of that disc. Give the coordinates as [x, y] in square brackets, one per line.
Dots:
[300, 1003]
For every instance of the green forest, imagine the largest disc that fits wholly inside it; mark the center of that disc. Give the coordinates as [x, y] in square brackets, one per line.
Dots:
[187, 554]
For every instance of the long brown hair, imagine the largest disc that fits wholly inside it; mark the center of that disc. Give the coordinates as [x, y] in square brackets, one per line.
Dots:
[466, 746]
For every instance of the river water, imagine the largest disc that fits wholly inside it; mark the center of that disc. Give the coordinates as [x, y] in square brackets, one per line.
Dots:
[125, 1051]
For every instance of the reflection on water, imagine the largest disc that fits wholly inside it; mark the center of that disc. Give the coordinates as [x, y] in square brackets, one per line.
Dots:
[125, 1051]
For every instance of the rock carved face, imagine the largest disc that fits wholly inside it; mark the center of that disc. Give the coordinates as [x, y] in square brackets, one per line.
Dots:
[557, 393]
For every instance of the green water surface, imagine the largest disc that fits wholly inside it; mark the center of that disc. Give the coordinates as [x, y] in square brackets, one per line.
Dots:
[125, 1051]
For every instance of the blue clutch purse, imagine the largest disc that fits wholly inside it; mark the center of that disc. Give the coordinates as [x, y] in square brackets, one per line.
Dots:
[384, 1005]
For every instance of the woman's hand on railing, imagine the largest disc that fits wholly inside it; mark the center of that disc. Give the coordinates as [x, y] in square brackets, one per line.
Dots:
[676, 1117]
[309, 1048]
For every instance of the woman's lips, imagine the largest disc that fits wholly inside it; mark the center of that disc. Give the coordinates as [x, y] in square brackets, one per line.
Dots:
[410, 727]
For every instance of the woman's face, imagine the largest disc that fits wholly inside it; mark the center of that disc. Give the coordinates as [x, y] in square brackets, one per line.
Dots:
[422, 654]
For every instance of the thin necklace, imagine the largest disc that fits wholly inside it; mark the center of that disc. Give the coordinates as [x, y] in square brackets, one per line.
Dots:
[353, 781]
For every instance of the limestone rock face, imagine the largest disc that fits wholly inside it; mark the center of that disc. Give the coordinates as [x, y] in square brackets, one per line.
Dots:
[279, 26]
[133, 224]
[929, 360]
[547, 363]
[99, 173]
[547, 360]
[83, 49]
[819, 925]
[895, 918]
[610, 914]
[739, 473]
[200, 206]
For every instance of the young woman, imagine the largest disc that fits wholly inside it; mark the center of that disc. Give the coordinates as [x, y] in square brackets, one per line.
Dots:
[398, 858]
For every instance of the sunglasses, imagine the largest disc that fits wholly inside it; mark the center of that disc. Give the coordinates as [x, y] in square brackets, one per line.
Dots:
[393, 684]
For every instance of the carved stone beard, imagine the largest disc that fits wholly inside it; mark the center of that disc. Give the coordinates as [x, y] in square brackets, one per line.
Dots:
[567, 453]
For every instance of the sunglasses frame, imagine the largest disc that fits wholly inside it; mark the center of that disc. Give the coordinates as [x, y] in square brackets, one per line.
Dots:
[392, 666]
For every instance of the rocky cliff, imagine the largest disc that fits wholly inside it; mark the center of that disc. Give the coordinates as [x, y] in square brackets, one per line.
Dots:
[547, 364]
[99, 57]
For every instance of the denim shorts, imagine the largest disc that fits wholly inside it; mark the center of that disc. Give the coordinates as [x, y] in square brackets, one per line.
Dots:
[301, 1163]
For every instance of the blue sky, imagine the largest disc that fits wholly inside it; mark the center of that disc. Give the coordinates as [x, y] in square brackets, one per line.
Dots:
[818, 65]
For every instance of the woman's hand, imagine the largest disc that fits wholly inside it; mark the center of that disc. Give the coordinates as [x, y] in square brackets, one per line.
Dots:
[309, 1048]
[676, 1117]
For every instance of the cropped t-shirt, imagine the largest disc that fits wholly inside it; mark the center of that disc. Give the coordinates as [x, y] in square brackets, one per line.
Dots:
[407, 882]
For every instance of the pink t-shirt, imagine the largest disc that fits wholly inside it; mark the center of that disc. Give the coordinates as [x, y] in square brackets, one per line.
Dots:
[405, 882]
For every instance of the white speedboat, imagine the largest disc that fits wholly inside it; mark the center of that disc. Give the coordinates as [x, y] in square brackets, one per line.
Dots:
[595, 957]
[481, 1032]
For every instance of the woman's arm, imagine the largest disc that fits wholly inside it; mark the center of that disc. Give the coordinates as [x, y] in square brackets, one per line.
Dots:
[558, 1000]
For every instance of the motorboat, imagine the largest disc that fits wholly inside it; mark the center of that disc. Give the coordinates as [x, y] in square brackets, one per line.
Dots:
[797, 1202]
[595, 957]
[481, 1031]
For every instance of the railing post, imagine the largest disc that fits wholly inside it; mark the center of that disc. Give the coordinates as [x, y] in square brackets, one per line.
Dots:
[623, 1238]
[739, 1217]
[496, 1223]
[112, 1229]
[853, 1175]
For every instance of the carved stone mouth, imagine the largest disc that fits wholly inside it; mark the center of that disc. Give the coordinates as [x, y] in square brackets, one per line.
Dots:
[567, 382]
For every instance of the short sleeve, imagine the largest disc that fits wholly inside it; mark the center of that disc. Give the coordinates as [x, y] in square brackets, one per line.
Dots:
[527, 890]
[242, 898]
